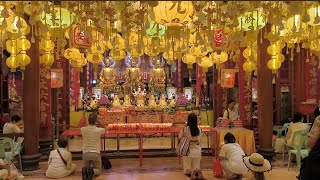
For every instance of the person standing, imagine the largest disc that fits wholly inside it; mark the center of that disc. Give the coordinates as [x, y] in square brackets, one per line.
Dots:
[60, 161]
[192, 132]
[91, 135]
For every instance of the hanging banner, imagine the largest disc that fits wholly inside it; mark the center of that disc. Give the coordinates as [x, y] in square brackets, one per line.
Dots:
[45, 96]
[56, 78]
[311, 78]
[228, 78]
[80, 39]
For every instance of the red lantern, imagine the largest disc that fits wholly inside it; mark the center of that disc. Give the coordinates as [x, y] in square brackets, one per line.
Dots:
[227, 78]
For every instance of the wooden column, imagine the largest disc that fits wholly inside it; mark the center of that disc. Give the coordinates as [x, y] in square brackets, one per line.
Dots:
[31, 110]
[265, 100]
[299, 78]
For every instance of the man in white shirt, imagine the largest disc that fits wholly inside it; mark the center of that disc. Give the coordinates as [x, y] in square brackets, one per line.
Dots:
[91, 135]
[231, 112]
[12, 127]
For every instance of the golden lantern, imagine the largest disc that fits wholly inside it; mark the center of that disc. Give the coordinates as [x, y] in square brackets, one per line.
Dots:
[13, 28]
[117, 54]
[170, 56]
[95, 58]
[173, 13]
[279, 57]
[23, 44]
[47, 59]
[189, 59]
[314, 13]
[249, 66]
[205, 63]
[46, 45]
[23, 60]
[62, 18]
[250, 54]
[252, 20]
[11, 46]
[115, 42]
[78, 63]
[274, 65]
[12, 63]
[274, 49]
[219, 58]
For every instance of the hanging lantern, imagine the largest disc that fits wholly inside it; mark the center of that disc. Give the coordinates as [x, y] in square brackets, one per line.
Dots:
[219, 58]
[23, 60]
[252, 20]
[47, 59]
[274, 65]
[314, 14]
[23, 44]
[274, 49]
[155, 29]
[250, 54]
[249, 66]
[173, 13]
[62, 18]
[205, 63]
[17, 24]
[169, 56]
[95, 58]
[79, 62]
[12, 63]
[46, 45]
[189, 60]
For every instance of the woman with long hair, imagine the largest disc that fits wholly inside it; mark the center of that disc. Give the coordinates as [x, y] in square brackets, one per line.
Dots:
[193, 133]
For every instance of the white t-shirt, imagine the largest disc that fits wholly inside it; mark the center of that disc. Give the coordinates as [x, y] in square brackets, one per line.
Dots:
[10, 128]
[294, 127]
[195, 144]
[233, 153]
[233, 114]
[91, 138]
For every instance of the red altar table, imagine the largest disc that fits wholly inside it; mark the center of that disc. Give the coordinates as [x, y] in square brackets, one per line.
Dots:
[140, 134]
[224, 123]
[307, 108]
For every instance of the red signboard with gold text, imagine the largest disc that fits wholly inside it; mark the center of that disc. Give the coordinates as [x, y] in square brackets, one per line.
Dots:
[56, 78]
[227, 78]
[80, 39]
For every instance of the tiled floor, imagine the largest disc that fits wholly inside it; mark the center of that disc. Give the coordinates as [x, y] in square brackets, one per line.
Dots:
[158, 169]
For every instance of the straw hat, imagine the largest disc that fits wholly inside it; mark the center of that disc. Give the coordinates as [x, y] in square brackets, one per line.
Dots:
[257, 163]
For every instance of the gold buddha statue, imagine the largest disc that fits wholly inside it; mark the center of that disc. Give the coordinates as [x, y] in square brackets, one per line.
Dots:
[158, 78]
[163, 102]
[152, 102]
[132, 78]
[127, 102]
[108, 78]
[116, 102]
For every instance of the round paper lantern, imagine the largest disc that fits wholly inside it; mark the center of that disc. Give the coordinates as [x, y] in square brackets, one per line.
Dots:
[47, 59]
[170, 56]
[189, 60]
[63, 18]
[79, 62]
[249, 66]
[205, 63]
[252, 20]
[95, 58]
[219, 58]
[11, 46]
[23, 60]
[23, 44]
[17, 24]
[248, 53]
[274, 49]
[173, 13]
[12, 63]
[274, 65]
[279, 57]
[46, 45]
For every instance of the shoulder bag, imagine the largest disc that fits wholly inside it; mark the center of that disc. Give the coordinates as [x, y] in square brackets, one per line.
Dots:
[183, 148]
[63, 160]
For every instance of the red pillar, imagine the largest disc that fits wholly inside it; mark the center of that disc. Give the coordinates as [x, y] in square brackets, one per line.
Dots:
[31, 110]
[265, 100]
[299, 78]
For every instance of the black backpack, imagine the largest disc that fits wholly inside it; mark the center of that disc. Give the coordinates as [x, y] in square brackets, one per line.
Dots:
[106, 162]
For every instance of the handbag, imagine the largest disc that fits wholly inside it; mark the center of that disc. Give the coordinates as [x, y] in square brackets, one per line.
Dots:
[106, 162]
[217, 169]
[183, 148]
[197, 175]
[63, 160]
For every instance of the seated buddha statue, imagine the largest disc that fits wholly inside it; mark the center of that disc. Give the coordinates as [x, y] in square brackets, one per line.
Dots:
[108, 78]
[132, 78]
[158, 78]
[116, 102]
[163, 101]
[152, 102]
[127, 102]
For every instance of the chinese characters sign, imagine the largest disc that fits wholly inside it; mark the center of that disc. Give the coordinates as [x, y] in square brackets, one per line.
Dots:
[81, 39]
